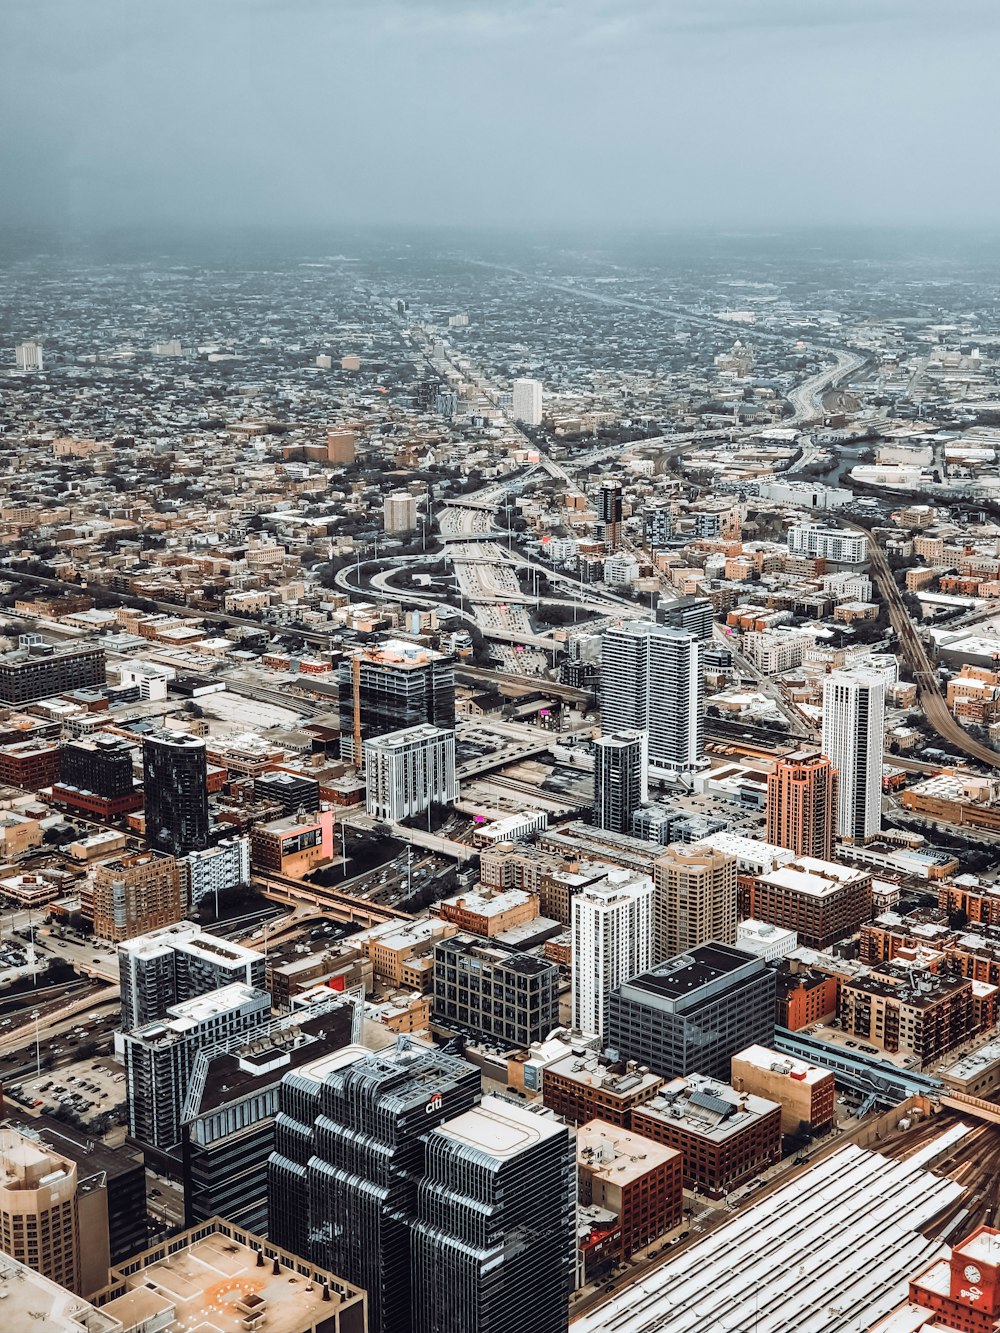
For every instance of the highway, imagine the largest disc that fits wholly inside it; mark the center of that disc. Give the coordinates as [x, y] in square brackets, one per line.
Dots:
[807, 398]
[336, 903]
[58, 1018]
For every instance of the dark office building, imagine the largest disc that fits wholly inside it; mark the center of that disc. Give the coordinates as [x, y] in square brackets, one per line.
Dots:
[292, 791]
[349, 1155]
[692, 1013]
[695, 614]
[620, 784]
[231, 1108]
[494, 1238]
[102, 765]
[391, 686]
[96, 776]
[609, 513]
[175, 783]
[38, 670]
[492, 990]
[579, 674]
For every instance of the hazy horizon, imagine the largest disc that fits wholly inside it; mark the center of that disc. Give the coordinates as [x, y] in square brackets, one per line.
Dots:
[649, 115]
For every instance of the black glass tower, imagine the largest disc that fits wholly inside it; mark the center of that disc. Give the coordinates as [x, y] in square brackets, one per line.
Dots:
[349, 1157]
[175, 783]
[620, 783]
[392, 686]
[494, 1238]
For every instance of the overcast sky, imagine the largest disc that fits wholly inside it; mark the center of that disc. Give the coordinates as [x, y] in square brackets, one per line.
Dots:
[503, 112]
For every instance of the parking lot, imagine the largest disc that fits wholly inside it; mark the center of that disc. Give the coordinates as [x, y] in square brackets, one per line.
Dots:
[837, 1037]
[17, 960]
[86, 1088]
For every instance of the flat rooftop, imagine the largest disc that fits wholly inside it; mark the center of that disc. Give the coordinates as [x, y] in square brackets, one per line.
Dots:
[587, 1070]
[484, 902]
[399, 653]
[302, 1044]
[158, 942]
[708, 1108]
[752, 850]
[761, 1057]
[192, 1013]
[856, 1220]
[216, 1283]
[616, 1155]
[750, 930]
[496, 955]
[680, 977]
[218, 951]
[317, 1070]
[976, 1062]
[27, 1165]
[30, 1301]
[399, 740]
[816, 879]
[983, 1246]
[46, 651]
[500, 1128]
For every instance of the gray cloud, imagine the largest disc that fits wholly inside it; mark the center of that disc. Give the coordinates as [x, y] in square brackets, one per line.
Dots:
[499, 112]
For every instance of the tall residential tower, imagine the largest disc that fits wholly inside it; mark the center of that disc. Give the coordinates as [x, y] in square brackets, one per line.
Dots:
[620, 780]
[651, 680]
[526, 402]
[612, 942]
[695, 899]
[802, 804]
[853, 737]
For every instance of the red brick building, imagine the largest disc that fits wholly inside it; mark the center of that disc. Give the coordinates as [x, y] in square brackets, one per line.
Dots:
[805, 996]
[726, 1136]
[581, 1088]
[29, 764]
[960, 1291]
[638, 1182]
[822, 901]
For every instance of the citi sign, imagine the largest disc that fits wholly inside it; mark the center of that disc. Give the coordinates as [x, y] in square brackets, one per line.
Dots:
[435, 1103]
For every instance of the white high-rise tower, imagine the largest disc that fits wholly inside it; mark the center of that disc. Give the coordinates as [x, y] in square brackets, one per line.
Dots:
[853, 737]
[527, 402]
[28, 356]
[612, 942]
[651, 680]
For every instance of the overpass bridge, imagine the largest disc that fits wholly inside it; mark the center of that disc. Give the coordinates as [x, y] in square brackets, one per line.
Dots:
[976, 1106]
[513, 685]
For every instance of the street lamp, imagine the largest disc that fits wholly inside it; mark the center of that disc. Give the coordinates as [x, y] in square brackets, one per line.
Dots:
[38, 1048]
[34, 951]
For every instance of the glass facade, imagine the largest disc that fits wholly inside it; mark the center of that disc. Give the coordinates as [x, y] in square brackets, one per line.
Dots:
[349, 1155]
[494, 1239]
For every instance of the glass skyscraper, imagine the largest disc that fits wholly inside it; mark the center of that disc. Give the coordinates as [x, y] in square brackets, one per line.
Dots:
[349, 1156]
[495, 1232]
